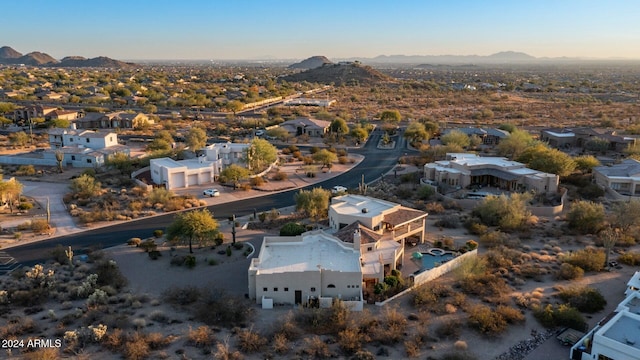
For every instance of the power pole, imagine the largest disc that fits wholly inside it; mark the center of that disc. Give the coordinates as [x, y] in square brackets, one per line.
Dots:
[233, 229]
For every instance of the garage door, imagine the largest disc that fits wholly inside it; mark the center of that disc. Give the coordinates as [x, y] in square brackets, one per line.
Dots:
[193, 180]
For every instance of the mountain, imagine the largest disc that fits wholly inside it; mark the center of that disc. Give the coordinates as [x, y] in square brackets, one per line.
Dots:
[511, 55]
[497, 58]
[101, 61]
[8, 53]
[311, 63]
[36, 58]
[344, 73]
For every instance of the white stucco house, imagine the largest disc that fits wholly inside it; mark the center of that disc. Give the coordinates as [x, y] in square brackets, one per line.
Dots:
[203, 170]
[311, 269]
[622, 180]
[617, 336]
[83, 148]
[461, 170]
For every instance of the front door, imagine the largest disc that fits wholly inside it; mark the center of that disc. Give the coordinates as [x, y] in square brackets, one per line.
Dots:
[298, 297]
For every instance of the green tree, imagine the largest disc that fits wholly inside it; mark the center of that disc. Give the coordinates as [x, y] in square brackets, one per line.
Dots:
[339, 126]
[510, 128]
[515, 144]
[234, 174]
[279, 133]
[430, 126]
[586, 217]
[6, 107]
[19, 139]
[120, 161]
[325, 157]
[456, 137]
[543, 158]
[586, 163]
[359, 133]
[509, 213]
[390, 115]
[597, 144]
[313, 203]
[416, 132]
[292, 229]
[4, 121]
[234, 106]
[85, 186]
[196, 139]
[60, 123]
[10, 191]
[260, 154]
[198, 225]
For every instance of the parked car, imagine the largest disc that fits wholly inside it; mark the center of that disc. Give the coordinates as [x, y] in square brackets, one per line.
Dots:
[259, 132]
[211, 192]
[338, 189]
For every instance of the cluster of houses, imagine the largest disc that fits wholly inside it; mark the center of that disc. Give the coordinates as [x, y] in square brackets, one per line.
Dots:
[366, 240]
[81, 119]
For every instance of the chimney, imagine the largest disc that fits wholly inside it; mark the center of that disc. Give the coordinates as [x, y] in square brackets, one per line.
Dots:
[356, 239]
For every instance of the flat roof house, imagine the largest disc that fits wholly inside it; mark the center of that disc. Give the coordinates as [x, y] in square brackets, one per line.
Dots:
[461, 170]
[311, 269]
[616, 337]
[621, 180]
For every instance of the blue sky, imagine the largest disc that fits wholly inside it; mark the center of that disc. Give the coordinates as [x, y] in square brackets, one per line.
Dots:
[244, 29]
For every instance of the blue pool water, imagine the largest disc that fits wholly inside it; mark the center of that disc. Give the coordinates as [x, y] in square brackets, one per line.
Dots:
[429, 260]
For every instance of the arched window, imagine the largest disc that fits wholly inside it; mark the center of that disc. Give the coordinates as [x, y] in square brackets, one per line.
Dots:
[331, 286]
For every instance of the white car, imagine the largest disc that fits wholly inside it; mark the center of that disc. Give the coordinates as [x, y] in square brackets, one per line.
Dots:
[259, 132]
[211, 192]
[338, 189]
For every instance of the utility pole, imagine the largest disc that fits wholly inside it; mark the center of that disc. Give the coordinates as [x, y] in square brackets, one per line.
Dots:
[233, 228]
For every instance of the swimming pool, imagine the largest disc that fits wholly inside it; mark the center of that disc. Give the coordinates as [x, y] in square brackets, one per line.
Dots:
[435, 256]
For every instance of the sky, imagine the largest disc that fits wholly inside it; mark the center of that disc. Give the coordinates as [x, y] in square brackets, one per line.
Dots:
[272, 29]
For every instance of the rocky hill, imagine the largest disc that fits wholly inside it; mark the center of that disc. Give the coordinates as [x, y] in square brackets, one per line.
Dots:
[11, 56]
[8, 53]
[352, 73]
[311, 63]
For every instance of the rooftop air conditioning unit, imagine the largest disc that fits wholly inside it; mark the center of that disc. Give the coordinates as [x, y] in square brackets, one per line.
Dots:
[365, 210]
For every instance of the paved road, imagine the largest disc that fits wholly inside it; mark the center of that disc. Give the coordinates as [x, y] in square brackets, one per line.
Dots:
[375, 163]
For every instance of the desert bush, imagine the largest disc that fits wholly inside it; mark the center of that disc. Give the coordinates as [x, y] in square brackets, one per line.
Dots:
[551, 316]
[25, 206]
[630, 258]
[315, 347]
[280, 344]
[494, 239]
[475, 227]
[585, 299]
[509, 213]
[201, 337]
[510, 314]
[460, 345]
[449, 329]
[251, 341]
[190, 261]
[158, 340]
[223, 352]
[292, 229]
[219, 239]
[49, 353]
[350, 340]
[109, 274]
[425, 192]
[136, 347]
[588, 259]
[257, 181]
[26, 170]
[148, 245]
[434, 208]
[280, 176]
[449, 222]
[569, 272]
[485, 320]
[586, 217]
[404, 192]
[134, 241]
[471, 245]
[158, 233]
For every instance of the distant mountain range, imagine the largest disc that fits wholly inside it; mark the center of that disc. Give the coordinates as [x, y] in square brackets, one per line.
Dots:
[11, 56]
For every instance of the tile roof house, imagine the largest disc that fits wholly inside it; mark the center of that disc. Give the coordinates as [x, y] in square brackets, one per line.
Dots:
[114, 120]
[489, 136]
[301, 126]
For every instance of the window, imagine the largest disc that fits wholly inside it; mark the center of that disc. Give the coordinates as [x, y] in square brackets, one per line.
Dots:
[369, 248]
[313, 289]
[88, 161]
[357, 286]
[111, 138]
[275, 289]
[286, 289]
[376, 228]
[348, 286]
[331, 286]
[87, 140]
[70, 139]
[265, 289]
[73, 157]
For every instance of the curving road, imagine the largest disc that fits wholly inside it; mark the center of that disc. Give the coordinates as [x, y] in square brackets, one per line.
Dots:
[375, 163]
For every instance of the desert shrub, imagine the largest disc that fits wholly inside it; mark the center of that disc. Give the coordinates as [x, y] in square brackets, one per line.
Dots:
[425, 192]
[292, 229]
[434, 208]
[363, 355]
[315, 347]
[280, 176]
[585, 299]
[223, 352]
[471, 245]
[50, 353]
[280, 343]
[591, 191]
[190, 261]
[134, 241]
[510, 314]
[136, 347]
[485, 320]
[476, 228]
[509, 213]
[494, 239]
[251, 341]
[569, 272]
[26, 170]
[158, 340]
[59, 255]
[148, 245]
[257, 181]
[551, 316]
[586, 217]
[158, 233]
[219, 239]
[216, 307]
[350, 340]
[154, 254]
[182, 296]
[343, 160]
[201, 337]
[449, 222]
[24, 206]
[449, 329]
[588, 259]
[630, 258]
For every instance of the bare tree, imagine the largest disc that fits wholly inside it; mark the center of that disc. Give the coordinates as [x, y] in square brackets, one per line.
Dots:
[609, 237]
